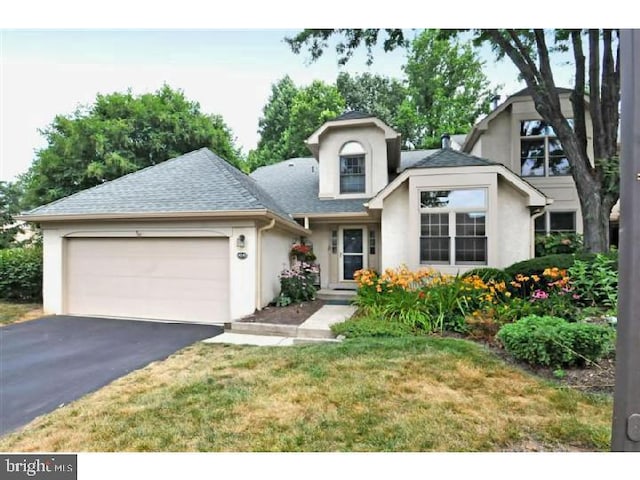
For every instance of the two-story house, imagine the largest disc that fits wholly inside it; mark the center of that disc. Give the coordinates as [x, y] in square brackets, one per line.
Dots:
[195, 239]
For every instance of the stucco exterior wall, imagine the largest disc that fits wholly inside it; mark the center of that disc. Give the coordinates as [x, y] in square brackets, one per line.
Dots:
[372, 140]
[514, 226]
[242, 272]
[395, 225]
[321, 239]
[276, 245]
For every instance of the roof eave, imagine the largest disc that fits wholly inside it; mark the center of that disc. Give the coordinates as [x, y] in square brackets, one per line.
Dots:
[290, 225]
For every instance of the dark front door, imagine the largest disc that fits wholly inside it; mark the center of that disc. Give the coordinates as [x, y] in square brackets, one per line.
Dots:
[352, 252]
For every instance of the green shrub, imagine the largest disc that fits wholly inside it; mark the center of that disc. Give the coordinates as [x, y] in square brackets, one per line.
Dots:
[554, 342]
[21, 274]
[558, 243]
[372, 326]
[488, 273]
[535, 266]
[596, 282]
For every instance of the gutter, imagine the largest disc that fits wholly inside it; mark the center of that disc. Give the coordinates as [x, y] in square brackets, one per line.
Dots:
[532, 240]
[269, 226]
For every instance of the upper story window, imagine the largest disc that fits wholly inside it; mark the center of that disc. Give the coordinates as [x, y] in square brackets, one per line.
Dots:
[453, 227]
[352, 168]
[541, 154]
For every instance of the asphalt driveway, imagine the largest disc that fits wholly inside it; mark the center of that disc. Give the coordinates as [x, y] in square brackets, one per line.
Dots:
[54, 360]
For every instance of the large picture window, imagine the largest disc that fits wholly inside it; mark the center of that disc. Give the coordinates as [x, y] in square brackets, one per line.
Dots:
[453, 227]
[541, 153]
[352, 168]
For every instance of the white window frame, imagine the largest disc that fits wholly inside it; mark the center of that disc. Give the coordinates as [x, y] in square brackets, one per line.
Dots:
[452, 211]
[546, 139]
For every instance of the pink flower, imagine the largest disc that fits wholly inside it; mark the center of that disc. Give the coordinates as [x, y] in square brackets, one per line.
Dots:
[575, 296]
[539, 295]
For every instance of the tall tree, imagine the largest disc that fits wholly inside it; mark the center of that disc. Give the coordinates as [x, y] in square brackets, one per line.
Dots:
[597, 80]
[9, 206]
[276, 117]
[380, 96]
[118, 134]
[288, 120]
[313, 105]
[447, 86]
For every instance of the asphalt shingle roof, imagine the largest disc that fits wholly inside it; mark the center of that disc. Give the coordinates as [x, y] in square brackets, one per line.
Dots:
[199, 181]
[294, 184]
[353, 115]
[447, 157]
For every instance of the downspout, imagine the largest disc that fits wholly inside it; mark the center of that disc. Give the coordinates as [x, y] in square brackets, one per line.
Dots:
[532, 228]
[269, 226]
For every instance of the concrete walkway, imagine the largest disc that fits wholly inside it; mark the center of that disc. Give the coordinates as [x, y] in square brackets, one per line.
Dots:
[316, 328]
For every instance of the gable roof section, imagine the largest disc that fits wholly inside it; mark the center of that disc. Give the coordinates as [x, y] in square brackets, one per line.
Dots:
[199, 181]
[451, 158]
[294, 184]
[448, 159]
[483, 124]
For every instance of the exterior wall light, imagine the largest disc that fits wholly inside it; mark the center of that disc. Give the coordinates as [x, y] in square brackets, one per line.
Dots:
[240, 242]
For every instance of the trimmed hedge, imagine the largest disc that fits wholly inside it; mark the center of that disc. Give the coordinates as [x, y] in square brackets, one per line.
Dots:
[21, 274]
[554, 342]
[369, 326]
[562, 260]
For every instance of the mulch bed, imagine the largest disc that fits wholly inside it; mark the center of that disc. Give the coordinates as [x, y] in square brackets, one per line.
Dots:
[293, 314]
[594, 378]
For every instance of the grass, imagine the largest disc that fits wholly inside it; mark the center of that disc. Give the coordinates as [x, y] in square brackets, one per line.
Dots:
[402, 394]
[18, 312]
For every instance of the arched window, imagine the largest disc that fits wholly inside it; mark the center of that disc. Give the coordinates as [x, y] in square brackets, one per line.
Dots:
[352, 168]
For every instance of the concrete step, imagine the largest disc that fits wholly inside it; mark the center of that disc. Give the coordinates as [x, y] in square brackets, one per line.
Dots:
[329, 295]
[255, 328]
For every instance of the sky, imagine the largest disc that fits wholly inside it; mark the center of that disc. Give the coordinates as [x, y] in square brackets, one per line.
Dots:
[50, 70]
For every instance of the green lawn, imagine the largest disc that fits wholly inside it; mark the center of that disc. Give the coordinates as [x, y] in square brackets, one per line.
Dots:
[13, 312]
[405, 394]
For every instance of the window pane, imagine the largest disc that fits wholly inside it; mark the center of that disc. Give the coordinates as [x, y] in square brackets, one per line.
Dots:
[470, 224]
[558, 163]
[351, 264]
[434, 225]
[535, 127]
[433, 249]
[352, 240]
[454, 198]
[471, 250]
[372, 242]
[540, 224]
[532, 157]
[562, 221]
[352, 174]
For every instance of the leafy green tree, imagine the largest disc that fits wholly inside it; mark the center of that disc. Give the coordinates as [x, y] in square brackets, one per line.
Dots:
[382, 97]
[9, 206]
[289, 117]
[312, 106]
[118, 134]
[597, 80]
[276, 116]
[447, 87]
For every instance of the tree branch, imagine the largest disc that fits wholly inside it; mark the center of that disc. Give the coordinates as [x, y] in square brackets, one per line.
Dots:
[594, 93]
[527, 69]
[545, 69]
[577, 97]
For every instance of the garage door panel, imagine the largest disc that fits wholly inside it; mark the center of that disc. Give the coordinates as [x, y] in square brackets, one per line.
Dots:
[168, 278]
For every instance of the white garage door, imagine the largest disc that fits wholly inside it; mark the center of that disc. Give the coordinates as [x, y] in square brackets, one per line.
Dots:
[159, 278]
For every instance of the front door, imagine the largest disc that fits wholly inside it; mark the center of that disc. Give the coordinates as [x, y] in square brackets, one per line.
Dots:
[352, 253]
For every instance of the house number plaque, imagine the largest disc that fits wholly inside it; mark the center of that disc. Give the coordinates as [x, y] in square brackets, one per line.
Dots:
[242, 255]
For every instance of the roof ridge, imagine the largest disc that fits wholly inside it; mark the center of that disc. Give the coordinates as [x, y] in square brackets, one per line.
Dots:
[115, 180]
